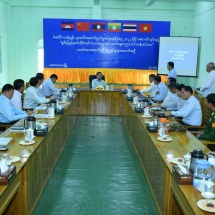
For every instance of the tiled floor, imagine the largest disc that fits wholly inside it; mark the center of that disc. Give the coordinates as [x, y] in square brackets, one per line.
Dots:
[97, 173]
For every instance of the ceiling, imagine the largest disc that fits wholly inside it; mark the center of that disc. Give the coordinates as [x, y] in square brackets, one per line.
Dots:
[149, 3]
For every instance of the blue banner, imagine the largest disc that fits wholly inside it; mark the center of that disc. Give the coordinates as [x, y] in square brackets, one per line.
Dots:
[79, 43]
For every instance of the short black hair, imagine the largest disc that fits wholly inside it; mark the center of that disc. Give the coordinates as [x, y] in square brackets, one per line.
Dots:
[171, 64]
[34, 81]
[152, 75]
[188, 89]
[54, 76]
[98, 73]
[172, 85]
[157, 78]
[172, 80]
[180, 87]
[211, 98]
[40, 76]
[7, 87]
[18, 83]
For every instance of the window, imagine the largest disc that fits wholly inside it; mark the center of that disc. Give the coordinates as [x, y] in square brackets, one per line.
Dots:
[40, 56]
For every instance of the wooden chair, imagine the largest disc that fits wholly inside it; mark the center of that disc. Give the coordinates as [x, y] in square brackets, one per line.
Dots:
[27, 84]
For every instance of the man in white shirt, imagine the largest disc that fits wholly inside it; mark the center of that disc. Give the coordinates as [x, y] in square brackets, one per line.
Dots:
[162, 89]
[32, 99]
[180, 102]
[40, 78]
[172, 102]
[172, 72]
[48, 88]
[98, 81]
[152, 89]
[8, 113]
[169, 95]
[209, 86]
[191, 112]
[16, 100]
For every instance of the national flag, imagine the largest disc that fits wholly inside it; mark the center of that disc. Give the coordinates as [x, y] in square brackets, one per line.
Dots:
[129, 27]
[82, 26]
[98, 26]
[67, 26]
[114, 27]
[145, 28]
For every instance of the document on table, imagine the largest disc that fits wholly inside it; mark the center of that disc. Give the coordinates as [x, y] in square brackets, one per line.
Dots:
[41, 108]
[40, 115]
[5, 140]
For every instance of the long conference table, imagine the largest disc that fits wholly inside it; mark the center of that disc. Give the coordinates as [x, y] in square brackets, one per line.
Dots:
[38, 160]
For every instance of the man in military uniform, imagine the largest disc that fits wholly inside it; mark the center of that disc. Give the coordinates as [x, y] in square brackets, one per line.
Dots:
[209, 132]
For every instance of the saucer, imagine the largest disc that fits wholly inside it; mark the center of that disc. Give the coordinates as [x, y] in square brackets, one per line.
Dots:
[26, 143]
[146, 116]
[203, 205]
[209, 196]
[167, 139]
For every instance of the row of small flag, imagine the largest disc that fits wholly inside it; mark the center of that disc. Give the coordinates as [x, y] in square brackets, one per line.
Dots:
[111, 27]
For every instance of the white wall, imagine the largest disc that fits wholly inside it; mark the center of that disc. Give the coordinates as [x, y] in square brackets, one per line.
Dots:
[26, 26]
[4, 34]
[203, 26]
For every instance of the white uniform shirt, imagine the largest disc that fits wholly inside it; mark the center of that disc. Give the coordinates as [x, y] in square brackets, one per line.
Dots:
[209, 86]
[191, 112]
[32, 99]
[163, 91]
[151, 90]
[16, 100]
[172, 74]
[96, 83]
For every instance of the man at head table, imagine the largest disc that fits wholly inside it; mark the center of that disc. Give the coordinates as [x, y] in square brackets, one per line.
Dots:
[98, 81]
[32, 99]
[48, 88]
[191, 112]
[8, 113]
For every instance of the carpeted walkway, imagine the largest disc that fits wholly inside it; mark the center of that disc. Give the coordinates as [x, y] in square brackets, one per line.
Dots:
[98, 173]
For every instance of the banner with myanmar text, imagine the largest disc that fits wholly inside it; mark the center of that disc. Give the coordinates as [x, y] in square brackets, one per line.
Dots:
[119, 44]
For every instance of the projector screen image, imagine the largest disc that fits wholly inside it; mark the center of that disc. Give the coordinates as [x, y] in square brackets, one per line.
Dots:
[182, 51]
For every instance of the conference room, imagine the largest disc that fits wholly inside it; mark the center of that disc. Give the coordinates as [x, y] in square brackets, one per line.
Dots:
[97, 156]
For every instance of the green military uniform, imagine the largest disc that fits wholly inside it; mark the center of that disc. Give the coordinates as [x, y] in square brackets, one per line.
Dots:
[209, 132]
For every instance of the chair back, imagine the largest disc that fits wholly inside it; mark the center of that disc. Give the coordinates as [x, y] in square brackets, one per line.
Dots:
[91, 77]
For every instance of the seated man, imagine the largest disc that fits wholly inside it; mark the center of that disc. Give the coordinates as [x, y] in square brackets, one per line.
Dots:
[40, 78]
[8, 113]
[32, 99]
[169, 95]
[180, 102]
[162, 89]
[152, 89]
[48, 88]
[191, 112]
[209, 132]
[172, 102]
[16, 99]
[98, 81]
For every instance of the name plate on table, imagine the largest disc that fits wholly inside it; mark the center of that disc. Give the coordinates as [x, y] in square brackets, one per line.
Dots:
[5, 178]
